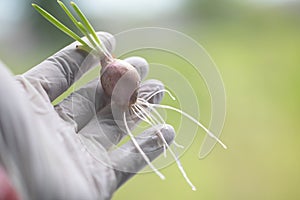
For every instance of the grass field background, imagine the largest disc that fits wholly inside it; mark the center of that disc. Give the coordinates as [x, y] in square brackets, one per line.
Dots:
[257, 50]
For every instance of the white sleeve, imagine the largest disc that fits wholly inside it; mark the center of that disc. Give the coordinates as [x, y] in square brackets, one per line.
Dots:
[38, 167]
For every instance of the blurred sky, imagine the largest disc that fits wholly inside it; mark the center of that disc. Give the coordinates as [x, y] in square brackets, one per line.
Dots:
[132, 7]
[11, 12]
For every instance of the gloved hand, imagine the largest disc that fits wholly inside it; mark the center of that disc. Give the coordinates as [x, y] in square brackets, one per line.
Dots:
[67, 151]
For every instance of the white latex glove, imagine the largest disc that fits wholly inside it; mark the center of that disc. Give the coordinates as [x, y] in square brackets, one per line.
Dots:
[65, 151]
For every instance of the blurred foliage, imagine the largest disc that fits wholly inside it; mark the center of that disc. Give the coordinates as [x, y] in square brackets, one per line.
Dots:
[257, 48]
[46, 31]
[214, 9]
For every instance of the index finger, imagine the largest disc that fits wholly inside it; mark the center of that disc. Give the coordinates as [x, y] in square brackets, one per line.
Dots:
[57, 73]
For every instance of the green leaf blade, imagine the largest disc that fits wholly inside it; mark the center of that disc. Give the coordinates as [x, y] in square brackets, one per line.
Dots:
[86, 22]
[58, 24]
[79, 25]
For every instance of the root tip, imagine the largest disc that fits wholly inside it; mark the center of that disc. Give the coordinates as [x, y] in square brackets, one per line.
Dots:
[223, 145]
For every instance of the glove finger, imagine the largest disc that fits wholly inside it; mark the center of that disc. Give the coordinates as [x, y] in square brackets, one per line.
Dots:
[57, 73]
[140, 64]
[80, 106]
[107, 127]
[127, 161]
[152, 90]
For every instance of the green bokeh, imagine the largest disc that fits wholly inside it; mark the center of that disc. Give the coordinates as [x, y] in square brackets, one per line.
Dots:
[257, 50]
[258, 57]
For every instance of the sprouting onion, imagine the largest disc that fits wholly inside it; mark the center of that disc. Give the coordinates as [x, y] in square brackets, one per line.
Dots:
[126, 96]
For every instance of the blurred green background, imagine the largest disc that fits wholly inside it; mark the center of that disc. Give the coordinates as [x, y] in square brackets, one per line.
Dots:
[256, 46]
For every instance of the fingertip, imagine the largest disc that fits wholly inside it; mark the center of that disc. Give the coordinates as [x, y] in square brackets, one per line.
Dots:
[151, 140]
[149, 88]
[126, 159]
[168, 133]
[140, 64]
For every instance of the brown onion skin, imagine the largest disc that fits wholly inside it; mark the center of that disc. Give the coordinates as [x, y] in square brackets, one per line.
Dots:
[126, 93]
